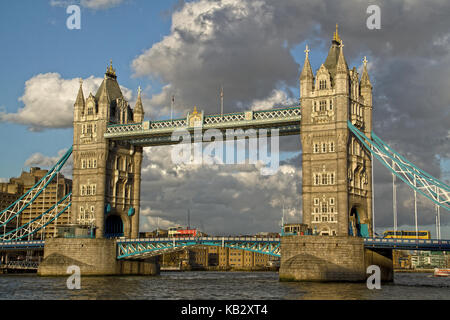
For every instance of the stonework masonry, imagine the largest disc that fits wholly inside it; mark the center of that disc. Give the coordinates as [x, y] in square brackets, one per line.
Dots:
[93, 256]
[316, 258]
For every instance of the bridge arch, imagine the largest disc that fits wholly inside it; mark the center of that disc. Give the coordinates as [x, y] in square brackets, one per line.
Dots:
[114, 226]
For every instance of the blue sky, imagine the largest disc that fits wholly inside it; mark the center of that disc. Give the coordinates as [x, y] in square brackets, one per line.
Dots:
[39, 42]
[259, 63]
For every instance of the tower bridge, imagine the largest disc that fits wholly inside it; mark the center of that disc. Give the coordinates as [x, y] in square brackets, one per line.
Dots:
[334, 122]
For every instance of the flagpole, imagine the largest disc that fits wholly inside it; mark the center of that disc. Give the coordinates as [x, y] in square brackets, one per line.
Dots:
[221, 101]
[171, 108]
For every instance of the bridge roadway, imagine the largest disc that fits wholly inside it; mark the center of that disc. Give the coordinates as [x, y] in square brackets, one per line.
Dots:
[147, 247]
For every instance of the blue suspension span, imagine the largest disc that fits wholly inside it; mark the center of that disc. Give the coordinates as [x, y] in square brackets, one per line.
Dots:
[133, 248]
[10, 212]
[38, 223]
[417, 179]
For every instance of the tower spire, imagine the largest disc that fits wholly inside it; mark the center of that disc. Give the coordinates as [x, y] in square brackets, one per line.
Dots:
[138, 112]
[307, 70]
[110, 71]
[80, 97]
[336, 35]
[365, 79]
[341, 64]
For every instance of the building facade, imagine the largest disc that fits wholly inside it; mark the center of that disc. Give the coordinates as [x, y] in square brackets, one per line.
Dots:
[337, 170]
[106, 174]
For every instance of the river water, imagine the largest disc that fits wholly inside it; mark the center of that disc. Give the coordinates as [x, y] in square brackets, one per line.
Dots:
[218, 286]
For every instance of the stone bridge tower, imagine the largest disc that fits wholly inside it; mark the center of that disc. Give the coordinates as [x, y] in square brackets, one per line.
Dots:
[337, 170]
[106, 174]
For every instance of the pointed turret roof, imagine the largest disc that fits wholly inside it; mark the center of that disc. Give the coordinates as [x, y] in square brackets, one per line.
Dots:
[109, 87]
[341, 64]
[307, 70]
[80, 97]
[139, 108]
[365, 79]
[333, 54]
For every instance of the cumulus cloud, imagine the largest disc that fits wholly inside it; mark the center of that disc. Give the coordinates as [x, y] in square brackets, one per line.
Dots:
[48, 101]
[208, 48]
[90, 4]
[47, 162]
[222, 199]
[277, 98]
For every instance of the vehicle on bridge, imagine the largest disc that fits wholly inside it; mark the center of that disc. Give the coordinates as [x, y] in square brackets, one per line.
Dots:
[402, 234]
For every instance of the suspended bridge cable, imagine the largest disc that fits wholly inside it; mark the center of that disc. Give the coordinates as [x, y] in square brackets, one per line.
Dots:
[40, 221]
[18, 206]
[420, 181]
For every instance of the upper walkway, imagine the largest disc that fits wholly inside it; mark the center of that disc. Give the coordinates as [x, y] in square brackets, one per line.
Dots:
[149, 133]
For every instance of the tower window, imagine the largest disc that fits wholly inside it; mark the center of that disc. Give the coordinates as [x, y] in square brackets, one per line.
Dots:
[316, 148]
[317, 179]
[324, 179]
[331, 178]
[331, 146]
[324, 147]
[322, 84]
[323, 105]
[331, 105]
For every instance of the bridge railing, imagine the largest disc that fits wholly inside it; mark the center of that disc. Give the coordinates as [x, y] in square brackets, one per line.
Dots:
[209, 121]
[411, 244]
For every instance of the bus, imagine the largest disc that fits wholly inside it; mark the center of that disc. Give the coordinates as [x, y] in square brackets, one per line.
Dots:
[402, 234]
[182, 232]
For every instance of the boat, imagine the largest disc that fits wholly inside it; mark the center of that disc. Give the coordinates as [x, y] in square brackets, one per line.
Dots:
[441, 272]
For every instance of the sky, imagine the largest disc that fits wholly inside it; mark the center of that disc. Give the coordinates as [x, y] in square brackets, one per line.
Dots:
[255, 50]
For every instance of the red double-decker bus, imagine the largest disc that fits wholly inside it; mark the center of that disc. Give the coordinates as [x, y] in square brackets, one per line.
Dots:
[185, 233]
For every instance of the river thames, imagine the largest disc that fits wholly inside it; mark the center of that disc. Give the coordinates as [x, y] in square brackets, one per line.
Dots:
[218, 286]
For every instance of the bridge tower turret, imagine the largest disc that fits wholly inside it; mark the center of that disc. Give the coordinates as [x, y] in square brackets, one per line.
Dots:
[337, 189]
[106, 174]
